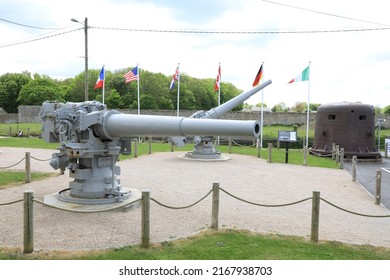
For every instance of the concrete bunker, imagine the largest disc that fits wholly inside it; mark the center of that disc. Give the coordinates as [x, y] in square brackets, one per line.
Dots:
[347, 124]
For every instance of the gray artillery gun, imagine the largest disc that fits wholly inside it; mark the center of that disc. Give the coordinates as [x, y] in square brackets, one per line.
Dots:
[203, 145]
[92, 138]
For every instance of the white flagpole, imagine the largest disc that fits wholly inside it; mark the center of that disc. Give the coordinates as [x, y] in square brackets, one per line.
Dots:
[307, 119]
[139, 106]
[219, 92]
[178, 89]
[262, 114]
[219, 86]
[104, 83]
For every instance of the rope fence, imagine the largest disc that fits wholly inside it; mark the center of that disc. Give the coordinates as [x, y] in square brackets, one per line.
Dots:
[27, 167]
[29, 200]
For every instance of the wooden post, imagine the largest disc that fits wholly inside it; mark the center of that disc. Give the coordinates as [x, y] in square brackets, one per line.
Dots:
[135, 147]
[269, 153]
[354, 160]
[333, 151]
[145, 219]
[150, 144]
[28, 222]
[304, 152]
[337, 153]
[341, 158]
[315, 216]
[386, 150]
[28, 132]
[230, 145]
[215, 206]
[258, 148]
[10, 131]
[171, 146]
[378, 187]
[27, 174]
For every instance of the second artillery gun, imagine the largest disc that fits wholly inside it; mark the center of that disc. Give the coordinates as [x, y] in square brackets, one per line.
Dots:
[92, 138]
[203, 145]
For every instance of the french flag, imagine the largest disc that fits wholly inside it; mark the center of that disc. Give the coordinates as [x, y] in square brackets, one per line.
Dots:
[100, 80]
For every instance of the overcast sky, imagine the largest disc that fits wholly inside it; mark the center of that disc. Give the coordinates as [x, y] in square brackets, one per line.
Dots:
[345, 66]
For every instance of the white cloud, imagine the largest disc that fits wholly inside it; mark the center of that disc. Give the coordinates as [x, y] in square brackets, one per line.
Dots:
[348, 66]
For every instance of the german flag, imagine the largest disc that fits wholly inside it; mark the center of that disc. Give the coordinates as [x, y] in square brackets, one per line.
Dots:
[258, 76]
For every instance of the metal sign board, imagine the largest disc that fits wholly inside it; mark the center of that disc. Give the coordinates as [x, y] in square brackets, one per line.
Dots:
[287, 136]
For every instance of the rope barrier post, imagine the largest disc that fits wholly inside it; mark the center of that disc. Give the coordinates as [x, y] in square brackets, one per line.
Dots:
[135, 147]
[354, 160]
[171, 146]
[230, 145]
[269, 153]
[315, 216]
[10, 131]
[150, 144]
[337, 153]
[215, 206]
[341, 158]
[333, 151]
[386, 150]
[27, 174]
[258, 148]
[28, 132]
[145, 219]
[304, 151]
[378, 187]
[28, 222]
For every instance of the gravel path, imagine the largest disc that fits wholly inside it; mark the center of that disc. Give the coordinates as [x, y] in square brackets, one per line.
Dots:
[177, 182]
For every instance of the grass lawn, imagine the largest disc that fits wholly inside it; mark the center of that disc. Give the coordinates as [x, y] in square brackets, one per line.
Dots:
[222, 245]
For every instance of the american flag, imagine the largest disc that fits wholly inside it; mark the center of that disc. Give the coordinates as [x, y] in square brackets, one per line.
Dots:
[131, 75]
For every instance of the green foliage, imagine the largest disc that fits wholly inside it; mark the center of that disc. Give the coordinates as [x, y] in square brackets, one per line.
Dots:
[280, 107]
[195, 94]
[38, 90]
[386, 110]
[10, 86]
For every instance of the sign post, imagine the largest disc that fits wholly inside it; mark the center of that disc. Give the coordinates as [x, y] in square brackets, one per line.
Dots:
[287, 136]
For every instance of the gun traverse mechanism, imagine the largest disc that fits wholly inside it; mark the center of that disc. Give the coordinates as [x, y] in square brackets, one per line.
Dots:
[203, 145]
[92, 138]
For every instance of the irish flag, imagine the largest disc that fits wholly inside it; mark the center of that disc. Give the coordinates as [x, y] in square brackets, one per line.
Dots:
[304, 76]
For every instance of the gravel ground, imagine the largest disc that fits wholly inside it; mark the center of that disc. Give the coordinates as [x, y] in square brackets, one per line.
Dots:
[177, 182]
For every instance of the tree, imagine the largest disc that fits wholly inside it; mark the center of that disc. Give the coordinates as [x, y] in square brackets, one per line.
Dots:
[386, 110]
[113, 100]
[280, 107]
[38, 90]
[10, 86]
[299, 107]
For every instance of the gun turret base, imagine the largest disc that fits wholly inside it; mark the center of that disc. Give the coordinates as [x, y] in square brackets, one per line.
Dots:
[71, 203]
[203, 157]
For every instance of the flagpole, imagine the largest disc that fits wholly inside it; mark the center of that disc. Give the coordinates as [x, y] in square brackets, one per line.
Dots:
[104, 83]
[178, 89]
[262, 114]
[307, 119]
[219, 88]
[139, 107]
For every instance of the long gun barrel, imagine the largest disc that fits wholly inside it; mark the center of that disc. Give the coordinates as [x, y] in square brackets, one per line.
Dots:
[218, 112]
[122, 125]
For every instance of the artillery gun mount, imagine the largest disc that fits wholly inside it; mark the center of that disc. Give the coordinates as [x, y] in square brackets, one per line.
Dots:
[204, 148]
[92, 138]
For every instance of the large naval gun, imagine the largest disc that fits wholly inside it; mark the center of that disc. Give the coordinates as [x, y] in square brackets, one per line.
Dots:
[203, 145]
[92, 138]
